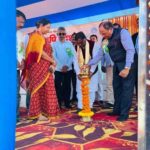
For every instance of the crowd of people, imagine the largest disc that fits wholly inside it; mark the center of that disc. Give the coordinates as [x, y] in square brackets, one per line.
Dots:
[50, 71]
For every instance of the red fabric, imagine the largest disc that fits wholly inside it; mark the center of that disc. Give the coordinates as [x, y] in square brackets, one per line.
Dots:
[32, 58]
[44, 100]
[37, 72]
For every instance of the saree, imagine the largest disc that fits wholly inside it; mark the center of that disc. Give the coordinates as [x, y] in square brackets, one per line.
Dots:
[43, 98]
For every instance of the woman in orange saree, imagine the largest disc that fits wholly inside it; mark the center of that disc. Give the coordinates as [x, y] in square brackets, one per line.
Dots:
[43, 100]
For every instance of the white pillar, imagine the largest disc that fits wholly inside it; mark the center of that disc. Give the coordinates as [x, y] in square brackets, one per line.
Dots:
[142, 69]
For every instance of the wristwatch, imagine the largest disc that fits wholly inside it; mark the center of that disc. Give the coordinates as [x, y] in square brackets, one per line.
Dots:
[127, 68]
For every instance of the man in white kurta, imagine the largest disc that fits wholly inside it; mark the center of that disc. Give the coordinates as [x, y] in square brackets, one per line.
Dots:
[20, 20]
[85, 51]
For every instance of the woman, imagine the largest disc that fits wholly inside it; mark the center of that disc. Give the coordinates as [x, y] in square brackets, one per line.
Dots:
[43, 101]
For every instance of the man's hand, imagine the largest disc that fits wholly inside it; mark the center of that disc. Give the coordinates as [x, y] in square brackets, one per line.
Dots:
[124, 73]
[79, 77]
[90, 74]
[64, 69]
[103, 69]
[85, 66]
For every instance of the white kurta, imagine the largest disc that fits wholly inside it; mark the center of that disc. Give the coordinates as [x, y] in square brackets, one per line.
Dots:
[20, 46]
[93, 83]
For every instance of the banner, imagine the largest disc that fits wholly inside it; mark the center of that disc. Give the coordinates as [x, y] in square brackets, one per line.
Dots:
[127, 22]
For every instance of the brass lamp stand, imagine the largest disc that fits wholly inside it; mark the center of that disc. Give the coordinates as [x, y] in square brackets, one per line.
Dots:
[86, 112]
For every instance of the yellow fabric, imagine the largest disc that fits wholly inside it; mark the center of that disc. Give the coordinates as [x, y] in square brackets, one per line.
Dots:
[35, 44]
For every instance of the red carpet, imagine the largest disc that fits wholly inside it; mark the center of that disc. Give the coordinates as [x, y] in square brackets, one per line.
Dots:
[70, 133]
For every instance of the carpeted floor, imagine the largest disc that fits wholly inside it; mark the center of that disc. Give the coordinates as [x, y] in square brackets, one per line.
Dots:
[70, 133]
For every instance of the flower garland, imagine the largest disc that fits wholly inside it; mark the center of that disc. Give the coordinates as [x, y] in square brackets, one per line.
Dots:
[86, 111]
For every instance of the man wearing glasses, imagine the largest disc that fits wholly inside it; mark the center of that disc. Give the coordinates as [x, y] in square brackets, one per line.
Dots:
[64, 55]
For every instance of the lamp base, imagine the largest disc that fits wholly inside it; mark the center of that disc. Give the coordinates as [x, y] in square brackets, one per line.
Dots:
[86, 119]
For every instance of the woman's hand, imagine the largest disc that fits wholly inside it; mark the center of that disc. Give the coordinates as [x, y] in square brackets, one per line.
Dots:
[51, 60]
[51, 69]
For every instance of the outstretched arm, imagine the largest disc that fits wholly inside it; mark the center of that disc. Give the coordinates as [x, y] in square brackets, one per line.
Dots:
[96, 58]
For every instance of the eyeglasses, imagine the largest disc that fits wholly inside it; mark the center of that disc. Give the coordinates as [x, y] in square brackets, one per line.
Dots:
[61, 34]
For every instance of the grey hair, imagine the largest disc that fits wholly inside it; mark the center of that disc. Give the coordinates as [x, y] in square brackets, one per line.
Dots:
[61, 28]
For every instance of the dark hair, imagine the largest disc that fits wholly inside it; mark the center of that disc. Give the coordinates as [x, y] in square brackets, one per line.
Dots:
[42, 22]
[20, 14]
[94, 35]
[61, 28]
[73, 34]
[117, 24]
[80, 35]
[107, 25]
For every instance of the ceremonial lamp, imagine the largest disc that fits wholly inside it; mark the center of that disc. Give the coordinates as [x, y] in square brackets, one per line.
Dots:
[86, 112]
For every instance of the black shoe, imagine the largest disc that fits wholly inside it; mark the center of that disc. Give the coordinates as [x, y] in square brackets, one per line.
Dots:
[74, 100]
[68, 106]
[110, 105]
[113, 114]
[100, 103]
[74, 103]
[94, 110]
[107, 106]
[78, 110]
[122, 118]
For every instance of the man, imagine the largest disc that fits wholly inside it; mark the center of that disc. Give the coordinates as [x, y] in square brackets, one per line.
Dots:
[100, 91]
[20, 19]
[64, 55]
[94, 38]
[116, 25]
[121, 50]
[107, 67]
[85, 51]
[73, 76]
[73, 39]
